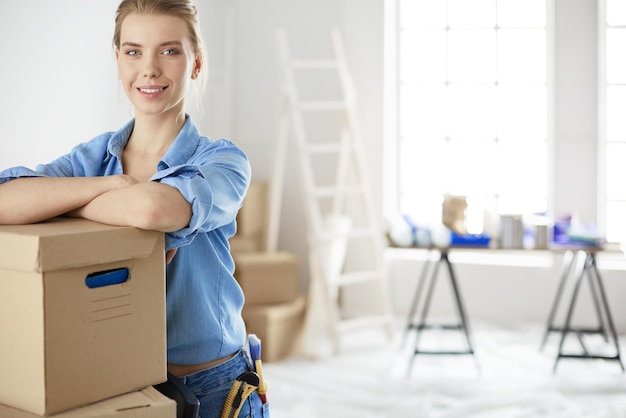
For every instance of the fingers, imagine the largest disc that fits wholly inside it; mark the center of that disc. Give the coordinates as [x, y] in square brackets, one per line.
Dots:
[169, 256]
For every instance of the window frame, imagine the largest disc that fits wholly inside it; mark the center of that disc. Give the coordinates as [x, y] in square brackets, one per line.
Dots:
[392, 180]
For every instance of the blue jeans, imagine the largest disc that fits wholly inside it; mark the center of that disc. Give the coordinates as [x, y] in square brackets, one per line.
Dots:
[211, 387]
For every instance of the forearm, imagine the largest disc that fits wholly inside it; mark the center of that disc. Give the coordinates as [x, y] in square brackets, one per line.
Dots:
[35, 199]
[148, 205]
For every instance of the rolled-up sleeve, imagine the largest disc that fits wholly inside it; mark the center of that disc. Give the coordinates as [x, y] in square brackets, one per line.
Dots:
[86, 159]
[58, 168]
[214, 183]
[17, 172]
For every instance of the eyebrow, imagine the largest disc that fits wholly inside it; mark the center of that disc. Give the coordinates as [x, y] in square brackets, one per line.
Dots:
[167, 43]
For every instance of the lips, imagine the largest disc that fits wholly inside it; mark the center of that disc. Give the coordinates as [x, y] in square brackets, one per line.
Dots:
[151, 91]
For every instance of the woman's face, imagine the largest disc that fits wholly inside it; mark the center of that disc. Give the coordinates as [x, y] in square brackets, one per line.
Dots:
[156, 63]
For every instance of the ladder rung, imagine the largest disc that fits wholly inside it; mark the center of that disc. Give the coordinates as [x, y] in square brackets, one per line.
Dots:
[313, 64]
[361, 322]
[347, 279]
[322, 105]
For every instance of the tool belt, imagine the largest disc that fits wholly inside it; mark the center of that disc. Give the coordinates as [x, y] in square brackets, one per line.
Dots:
[242, 387]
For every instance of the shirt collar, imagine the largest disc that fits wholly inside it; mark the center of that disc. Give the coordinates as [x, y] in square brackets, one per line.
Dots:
[183, 147]
[119, 139]
[181, 150]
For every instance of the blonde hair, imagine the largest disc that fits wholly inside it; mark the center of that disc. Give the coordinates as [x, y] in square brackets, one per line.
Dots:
[185, 9]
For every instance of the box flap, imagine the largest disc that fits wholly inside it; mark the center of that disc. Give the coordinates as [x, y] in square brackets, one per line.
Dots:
[147, 403]
[63, 243]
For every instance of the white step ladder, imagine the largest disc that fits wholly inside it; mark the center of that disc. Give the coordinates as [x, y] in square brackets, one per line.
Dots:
[345, 240]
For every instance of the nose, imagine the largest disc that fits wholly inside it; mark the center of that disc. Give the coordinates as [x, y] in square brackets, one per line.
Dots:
[151, 68]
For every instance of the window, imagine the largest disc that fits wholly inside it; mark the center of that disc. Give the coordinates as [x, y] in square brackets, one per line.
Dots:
[472, 107]
[611, 120]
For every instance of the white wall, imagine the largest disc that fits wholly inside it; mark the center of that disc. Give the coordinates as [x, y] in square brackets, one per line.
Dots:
[576, 128]
[59, 79]
[59, 87]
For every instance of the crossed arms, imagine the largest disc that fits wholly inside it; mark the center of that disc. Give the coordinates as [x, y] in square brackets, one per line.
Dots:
[116, 200]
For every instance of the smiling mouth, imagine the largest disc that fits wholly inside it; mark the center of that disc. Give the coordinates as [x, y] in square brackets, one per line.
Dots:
[152, 90]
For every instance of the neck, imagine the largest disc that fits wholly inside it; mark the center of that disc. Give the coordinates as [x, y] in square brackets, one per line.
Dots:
[155, 133]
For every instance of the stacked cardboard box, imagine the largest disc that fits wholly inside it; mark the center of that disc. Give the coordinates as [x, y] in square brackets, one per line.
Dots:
[82, 316]
[275, 306]
[146, 403]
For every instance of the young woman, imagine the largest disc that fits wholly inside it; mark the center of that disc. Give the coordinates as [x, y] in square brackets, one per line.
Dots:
[159, 173]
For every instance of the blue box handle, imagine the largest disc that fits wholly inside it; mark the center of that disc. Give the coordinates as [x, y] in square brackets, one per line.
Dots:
[107, 278]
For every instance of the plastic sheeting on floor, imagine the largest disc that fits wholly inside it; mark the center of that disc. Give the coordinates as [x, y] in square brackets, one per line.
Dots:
[508, 377]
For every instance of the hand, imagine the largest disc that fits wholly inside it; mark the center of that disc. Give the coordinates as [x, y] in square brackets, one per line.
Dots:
[169, 256]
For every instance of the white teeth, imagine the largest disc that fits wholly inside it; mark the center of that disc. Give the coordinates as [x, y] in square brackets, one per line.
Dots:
[149, 91]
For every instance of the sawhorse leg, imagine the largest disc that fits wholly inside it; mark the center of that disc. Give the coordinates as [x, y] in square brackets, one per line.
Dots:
[587, 264]
[410, 324]
[422, 325]
[568, 260]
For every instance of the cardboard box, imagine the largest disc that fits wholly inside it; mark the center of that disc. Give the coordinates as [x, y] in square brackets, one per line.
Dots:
[268, 278]
[147, 403]
[65, 344]
[252, 217]
[239, 244]
[278, 326]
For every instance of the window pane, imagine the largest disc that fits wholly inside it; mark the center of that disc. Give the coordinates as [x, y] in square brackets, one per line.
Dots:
[420, 161]
[423, 56]
[471, 167]
[472, 112]
[521, 13]
[425, 209]
[615, 56]
[522, 171]
[471, 13]
[422, 13]
[472, 55]
[615, 120]
[616, 12]
[616, 222]
[522, 55]
[616, 171]
[513, 203]
[522, 112]
[423, 111]
[423, 166]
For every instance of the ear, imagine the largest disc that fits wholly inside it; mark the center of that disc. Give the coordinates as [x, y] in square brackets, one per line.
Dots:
[197, 66]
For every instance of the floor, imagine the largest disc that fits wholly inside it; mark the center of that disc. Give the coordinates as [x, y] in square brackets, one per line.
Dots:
[508, 377]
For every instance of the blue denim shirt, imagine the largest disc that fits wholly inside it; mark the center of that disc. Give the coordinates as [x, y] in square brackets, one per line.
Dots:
[204, 301]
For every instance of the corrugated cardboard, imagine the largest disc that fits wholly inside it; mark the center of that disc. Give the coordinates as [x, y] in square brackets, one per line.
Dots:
[147, 403]
[268, 278]
[278, 326]
[65, 345]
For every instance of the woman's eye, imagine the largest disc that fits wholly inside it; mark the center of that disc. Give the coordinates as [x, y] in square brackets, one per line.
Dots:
[170, 52]
[132, 52]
